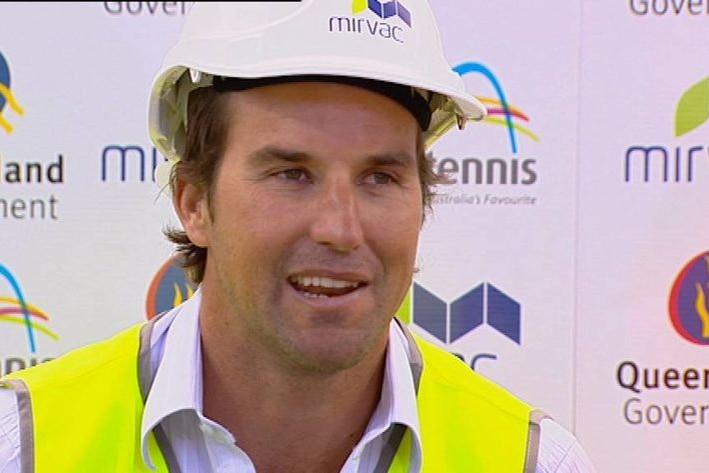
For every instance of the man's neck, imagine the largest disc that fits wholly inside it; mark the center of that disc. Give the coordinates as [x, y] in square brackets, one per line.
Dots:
[286, 421]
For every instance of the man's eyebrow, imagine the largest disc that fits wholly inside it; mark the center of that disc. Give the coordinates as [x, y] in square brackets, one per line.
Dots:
[270, 154]
[401, 159]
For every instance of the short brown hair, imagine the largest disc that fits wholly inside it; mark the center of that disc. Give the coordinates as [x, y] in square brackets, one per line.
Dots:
[206, 139]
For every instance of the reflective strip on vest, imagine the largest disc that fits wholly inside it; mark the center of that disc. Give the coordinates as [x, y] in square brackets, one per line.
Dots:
[84, 410]
[467, 423]
[24, 409]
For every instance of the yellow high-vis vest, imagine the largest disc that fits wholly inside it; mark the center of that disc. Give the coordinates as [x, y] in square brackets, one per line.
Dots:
[83, 412]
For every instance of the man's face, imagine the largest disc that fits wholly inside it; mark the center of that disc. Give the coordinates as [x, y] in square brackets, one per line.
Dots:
[313, 223]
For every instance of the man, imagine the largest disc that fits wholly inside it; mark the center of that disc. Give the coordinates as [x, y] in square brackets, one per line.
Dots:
[296, 162]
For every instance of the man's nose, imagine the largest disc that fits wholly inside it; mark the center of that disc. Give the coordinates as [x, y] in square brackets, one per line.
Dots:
[336, 221]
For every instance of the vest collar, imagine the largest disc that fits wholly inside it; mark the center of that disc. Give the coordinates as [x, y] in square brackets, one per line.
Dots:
[175, 353]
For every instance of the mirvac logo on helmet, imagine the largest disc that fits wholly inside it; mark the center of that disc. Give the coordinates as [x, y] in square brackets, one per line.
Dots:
[502, 170]
[374, 18]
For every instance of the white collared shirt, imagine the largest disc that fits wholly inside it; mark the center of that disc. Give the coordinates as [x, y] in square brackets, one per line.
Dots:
[201, 445]
[175, 401]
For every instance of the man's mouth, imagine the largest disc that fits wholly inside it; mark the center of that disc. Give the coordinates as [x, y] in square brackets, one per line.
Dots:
[322, 286]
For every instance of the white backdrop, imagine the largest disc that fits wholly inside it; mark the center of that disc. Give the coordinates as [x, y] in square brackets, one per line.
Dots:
[565, 259]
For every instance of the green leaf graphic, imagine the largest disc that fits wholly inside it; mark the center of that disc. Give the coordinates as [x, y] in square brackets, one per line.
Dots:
[693, 108]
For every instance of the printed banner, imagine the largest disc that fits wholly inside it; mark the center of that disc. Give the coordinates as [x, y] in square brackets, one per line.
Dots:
[566, 255]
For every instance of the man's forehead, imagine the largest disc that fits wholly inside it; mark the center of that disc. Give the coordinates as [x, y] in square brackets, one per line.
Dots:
[405, 96]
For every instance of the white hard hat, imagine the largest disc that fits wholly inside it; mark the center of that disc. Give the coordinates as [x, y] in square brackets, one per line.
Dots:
[392, 41]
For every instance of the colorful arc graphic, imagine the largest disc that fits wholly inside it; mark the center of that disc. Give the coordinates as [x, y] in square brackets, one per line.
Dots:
[23, 306]
[471, 67]
[6, 315]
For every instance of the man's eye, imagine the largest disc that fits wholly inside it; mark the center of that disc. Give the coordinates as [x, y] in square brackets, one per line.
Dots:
[293, 175]
[379, 178]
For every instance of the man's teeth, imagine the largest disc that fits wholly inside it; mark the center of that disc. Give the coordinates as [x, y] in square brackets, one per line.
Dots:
[315, 296]
[319, 281]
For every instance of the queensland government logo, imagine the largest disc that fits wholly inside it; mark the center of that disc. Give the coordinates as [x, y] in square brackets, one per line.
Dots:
[484, 305]
[147, 8]
[672, 394]
[668, 8]
[169, 288]
[674, 162]
[375, 18]
[689, 300]
[6, 96]
[506, 169]
[15, 174]
[27, 319]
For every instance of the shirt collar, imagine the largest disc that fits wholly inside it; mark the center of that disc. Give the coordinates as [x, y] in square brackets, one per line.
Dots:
[397, 404]
[177, 385]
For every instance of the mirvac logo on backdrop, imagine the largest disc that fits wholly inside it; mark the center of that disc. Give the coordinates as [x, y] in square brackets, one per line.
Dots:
[689, 313]
[128, 163]
[19, 171]
[20, 318]
[448, 322]
[486, 179]
[677, 161]
[374, 18]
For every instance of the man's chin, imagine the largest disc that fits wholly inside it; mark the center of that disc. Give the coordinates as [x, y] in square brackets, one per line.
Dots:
[327, 354]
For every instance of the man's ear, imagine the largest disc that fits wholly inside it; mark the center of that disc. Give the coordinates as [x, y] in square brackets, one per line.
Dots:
[192, 208]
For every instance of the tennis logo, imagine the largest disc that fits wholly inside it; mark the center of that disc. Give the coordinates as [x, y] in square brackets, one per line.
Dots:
[499, 173]
[500, 110]
[19, 317]
[16, 310]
